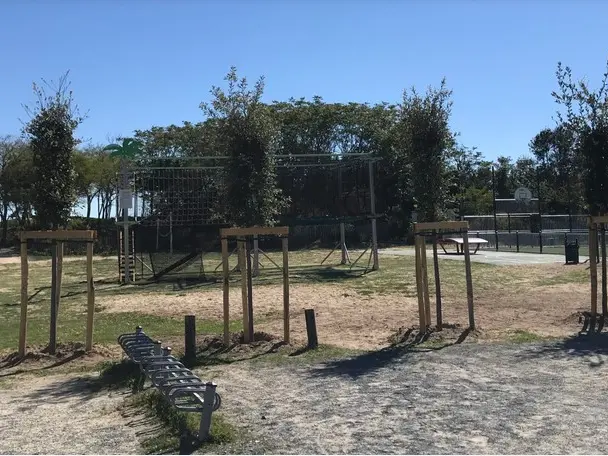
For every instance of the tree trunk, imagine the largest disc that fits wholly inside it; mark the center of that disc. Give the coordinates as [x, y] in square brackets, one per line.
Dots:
[4, 240]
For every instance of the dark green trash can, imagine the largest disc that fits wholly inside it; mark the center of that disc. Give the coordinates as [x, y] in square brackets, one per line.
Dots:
[572, 252]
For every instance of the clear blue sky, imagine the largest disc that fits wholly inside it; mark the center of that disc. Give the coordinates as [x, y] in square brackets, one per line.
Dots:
[139, 63]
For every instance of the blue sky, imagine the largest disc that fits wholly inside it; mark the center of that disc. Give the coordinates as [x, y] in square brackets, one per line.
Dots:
[138, 63]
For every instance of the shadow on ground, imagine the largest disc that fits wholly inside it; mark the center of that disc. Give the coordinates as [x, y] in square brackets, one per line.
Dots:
[408, 342]
[579, 345]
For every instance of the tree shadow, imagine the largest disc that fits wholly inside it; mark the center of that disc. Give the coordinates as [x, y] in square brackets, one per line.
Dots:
[370, 362]
[82, 388]
[577, 346]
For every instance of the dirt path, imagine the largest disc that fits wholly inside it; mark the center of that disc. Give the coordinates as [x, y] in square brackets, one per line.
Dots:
[60, 415]
[469, 398]
[463, 399]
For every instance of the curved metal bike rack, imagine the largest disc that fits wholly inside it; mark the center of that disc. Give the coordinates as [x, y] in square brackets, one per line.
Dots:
[178, 384]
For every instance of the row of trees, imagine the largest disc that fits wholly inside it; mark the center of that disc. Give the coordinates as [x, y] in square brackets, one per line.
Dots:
[421, 165]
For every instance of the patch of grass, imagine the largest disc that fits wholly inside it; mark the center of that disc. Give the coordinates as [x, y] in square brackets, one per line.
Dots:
[108, 326]
[520, 336]
[176, 424]
[575, 276]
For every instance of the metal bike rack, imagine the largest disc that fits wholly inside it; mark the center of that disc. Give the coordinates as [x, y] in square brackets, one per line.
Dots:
[178, 384]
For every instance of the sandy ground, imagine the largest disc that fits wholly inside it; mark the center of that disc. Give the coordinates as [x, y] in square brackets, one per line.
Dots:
[349, 319]
[60, 415]
[464, 399]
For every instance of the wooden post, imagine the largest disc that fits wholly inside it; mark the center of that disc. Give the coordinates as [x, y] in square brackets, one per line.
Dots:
[256, 256]
[285, 289]
[243, 269]
[190, 339]
[226, 290]
[53, 319]
[249, 291]
[24, 297]
[60, 249]
[425, 282]
[344, 252]
[604, 281]
[593, 272]
[419, 284]
[469, 279]
[311, 328]
[90, 297]
[437, 284]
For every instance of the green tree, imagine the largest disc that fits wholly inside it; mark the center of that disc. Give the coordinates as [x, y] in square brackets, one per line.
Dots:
[583, 118]
[51, 136]
[425, 135]
[248, 133]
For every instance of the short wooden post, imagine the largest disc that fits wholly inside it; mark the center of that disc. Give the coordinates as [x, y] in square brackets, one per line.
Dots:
[469, 279]
[53, 319]
[249, 291]
[311, 328]
[90, 297]
[189, 338]
[285, 289]
[24, 297]
[243, 269]
[593, 272]
[344, 252]
[437, 284]
[256, 256]
[226, 290]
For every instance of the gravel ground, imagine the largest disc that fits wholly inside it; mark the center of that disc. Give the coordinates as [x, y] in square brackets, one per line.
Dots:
[468, 398]
[462, 399]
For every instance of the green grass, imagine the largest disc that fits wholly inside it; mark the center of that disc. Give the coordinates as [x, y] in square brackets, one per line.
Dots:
[523, 337]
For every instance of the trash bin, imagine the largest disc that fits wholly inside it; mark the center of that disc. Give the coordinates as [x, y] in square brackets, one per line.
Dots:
[572, 252]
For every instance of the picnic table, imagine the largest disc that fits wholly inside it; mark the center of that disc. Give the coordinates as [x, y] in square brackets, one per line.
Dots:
[459, 243]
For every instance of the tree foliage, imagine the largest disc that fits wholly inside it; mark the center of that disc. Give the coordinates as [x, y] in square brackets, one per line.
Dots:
[51, 137]
[248, 135]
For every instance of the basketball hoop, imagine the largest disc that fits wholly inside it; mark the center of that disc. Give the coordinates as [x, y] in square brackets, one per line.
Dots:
[523, 194]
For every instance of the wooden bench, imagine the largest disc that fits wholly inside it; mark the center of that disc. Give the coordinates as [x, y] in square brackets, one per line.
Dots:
[458, 242]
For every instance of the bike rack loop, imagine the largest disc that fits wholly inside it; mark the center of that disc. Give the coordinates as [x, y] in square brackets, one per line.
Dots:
[178, 384]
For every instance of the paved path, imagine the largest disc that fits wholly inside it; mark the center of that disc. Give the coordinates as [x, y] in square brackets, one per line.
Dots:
[465, 399]
[492, 257]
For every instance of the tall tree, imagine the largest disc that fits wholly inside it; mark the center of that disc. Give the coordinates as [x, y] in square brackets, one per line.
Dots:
[584, 118]
[426, 137]
[248, 134]
[51, 135]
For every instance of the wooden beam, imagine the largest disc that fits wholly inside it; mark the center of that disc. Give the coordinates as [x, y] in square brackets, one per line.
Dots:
[429, 226]
[226, 291]
[285, 290]
[24, 299]
[255, 230]
[60, 235]
[90, 298]
[60, 251]
[53, 319]
[425, 282]
[596, 219]
[469, 278]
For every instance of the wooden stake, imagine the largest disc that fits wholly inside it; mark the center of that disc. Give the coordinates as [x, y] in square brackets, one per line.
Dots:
[469, 279]
[593, 272]
[60, 249]
[53, 319]
[604, 281]
[243, 269]
[24, 298]
[419, 285]
[90, 297]
[425, 283]
[437, 285]
[226, 290]
[249, 291]
[285, 289]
